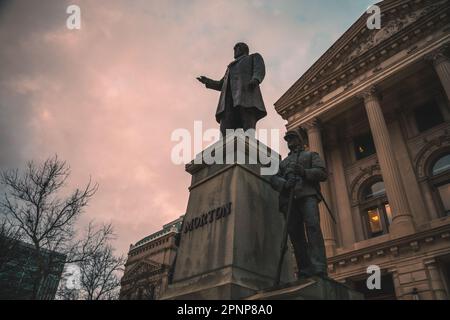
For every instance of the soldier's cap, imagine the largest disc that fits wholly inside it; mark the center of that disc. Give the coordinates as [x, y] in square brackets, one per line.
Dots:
[299, 133]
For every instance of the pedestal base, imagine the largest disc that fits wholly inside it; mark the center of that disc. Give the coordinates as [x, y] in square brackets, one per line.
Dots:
[314, 288]
[232, 230]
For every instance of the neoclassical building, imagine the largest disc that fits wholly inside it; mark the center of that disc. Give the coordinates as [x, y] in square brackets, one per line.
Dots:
[376, 106]
[149, 264]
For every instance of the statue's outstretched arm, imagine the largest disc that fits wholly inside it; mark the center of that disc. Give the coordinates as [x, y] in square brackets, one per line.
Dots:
[210, 83]
[215, 85]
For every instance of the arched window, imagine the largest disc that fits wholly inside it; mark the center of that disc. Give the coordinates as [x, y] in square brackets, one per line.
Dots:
[439, 174]
[441, 165]
[374, 190]
[376, 212]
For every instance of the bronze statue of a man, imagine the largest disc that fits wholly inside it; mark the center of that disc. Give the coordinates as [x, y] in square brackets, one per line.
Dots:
[301, 173]
[240, 104]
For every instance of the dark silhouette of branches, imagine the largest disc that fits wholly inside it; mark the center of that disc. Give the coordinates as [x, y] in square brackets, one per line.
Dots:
[99, 278]
[34, 205]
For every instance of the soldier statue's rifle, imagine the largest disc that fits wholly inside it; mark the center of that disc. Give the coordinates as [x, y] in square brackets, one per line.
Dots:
[326, 205]
[285, 230]
[317, 187]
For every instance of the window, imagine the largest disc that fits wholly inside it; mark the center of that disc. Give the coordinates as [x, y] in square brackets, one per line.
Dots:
[441, 165]
[374, 190]
[364, 146]
[377, 215]
[440, 182]
[428, 116]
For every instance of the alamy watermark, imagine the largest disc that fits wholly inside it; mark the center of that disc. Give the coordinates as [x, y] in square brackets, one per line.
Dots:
[374, 20]
[374, 280]
[73, 21]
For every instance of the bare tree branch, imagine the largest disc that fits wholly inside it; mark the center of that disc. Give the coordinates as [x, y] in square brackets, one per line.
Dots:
[33, 205]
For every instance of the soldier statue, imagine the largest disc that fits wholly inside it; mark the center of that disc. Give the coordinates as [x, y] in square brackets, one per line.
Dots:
[240, 104]
[301, 173]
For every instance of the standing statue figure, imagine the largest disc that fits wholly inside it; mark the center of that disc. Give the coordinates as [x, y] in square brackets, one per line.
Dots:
[241, 104]
[301, 173]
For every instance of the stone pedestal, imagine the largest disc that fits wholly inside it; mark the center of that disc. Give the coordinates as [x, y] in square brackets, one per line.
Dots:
[313, 288]
[231, 236]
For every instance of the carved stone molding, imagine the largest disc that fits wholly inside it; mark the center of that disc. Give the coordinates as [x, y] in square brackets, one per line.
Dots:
[392, 27]
[360, 49]
[312, 125]
[143, 268]
[366, 174]
[433, 146]
[440, 55]
[369, 94]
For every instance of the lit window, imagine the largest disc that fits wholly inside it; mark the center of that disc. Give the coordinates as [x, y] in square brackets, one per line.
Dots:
[375, 221]
[387, 209]
[364, 146]
[377, 214]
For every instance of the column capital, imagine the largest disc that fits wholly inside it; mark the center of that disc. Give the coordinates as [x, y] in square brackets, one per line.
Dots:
[311, 125]
[369, 94]
[439, 55]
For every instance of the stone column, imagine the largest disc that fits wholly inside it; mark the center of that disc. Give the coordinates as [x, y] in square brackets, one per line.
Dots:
[441, 64]
[436, 282]
[326, 223]
[342, 194]
[402, 220]
[397, 286]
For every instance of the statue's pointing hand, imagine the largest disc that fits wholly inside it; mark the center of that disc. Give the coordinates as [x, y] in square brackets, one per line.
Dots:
[203, 79]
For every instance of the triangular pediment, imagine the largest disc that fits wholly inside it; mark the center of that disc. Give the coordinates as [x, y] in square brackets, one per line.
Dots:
[143, 267]
[360, 47]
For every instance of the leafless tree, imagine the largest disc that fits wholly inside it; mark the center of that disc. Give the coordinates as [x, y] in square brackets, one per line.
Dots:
[99, 275]
[33, 203]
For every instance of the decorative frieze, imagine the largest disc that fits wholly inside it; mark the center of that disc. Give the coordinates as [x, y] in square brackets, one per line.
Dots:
[368, 49]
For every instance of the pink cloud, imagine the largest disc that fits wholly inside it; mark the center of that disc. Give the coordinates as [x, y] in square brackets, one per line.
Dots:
[106, 98]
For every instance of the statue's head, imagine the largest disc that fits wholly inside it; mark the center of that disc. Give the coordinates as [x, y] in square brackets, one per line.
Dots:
[295, 139]
[240, 49]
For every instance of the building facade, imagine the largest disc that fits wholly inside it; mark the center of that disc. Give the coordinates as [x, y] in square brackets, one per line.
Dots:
[18, 272]
[149, 265]
[376, 106]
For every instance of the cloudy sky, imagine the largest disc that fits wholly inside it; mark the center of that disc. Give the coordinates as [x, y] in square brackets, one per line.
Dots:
[106, 98]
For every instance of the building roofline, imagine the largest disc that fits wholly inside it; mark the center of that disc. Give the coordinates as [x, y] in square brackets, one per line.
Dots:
[167, 228]
[285, 99]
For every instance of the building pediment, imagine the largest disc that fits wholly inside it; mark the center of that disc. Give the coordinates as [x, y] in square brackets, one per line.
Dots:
[360, 49]
[143, 267]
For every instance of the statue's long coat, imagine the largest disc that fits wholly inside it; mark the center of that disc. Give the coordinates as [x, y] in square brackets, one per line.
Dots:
[238, 76]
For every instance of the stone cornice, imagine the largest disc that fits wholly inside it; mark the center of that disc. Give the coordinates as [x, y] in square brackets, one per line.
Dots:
[440, 55]
[375, 78]
[369, 94]
[392, 246]
[313, 124]
[310, 89]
